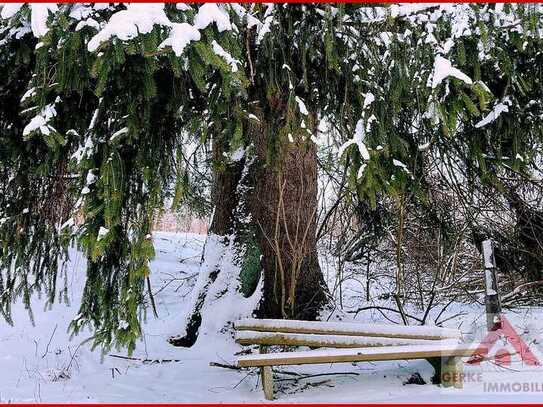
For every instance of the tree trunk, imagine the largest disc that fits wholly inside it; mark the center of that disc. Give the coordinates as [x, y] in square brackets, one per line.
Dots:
[224, 194]
[279, 197]
[529, 226]
[225, 199]
[284, 209]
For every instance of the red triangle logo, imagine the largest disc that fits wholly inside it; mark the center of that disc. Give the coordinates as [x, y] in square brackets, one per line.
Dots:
[507, 331]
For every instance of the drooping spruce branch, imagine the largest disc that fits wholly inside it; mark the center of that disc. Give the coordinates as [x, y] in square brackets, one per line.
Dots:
[92, 152]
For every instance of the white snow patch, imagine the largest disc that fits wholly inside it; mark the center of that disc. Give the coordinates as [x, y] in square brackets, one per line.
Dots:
[118, 133]
[242, 12]
[102, 232]
[39, 15]
[399, 164]
[489, 278]
[10, 9]
[183, 7]
[28, 94]
[127, 24]
[211, 13]
[180, 36]
[40, 121]
[68, 224]
[238, 154]
[361, 329]
[424, 147]
[443, 69]
[358, 139]
[90, 22]
[500, 108]
[91, 178]
[220, 51]
[368, 100]
[265, 28]
[39, 12]
[93, 119]
[361, 170]
[301, 106]
[83, 150]
[80, 11]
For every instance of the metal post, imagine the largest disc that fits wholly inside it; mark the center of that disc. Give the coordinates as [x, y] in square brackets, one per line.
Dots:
[492, 297]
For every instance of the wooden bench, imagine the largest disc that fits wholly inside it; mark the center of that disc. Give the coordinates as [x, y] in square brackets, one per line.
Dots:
[353, 342]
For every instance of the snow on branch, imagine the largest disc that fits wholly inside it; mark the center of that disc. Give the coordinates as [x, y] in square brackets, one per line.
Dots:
[128, 24]
[500, 108]
[211, 13]
[443, 69]
[230, 60]
[39, 13]
[41, 120]
[180, 36]
[358, 139]
[141, 18]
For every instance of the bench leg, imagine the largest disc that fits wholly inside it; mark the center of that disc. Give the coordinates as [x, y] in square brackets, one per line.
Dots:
[266, 375]
[436, 364]
[448, 371]
[452, 372]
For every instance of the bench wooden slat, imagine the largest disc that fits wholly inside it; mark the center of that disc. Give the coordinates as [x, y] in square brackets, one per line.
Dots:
[326, 341]
[357, 355]
[346, 328]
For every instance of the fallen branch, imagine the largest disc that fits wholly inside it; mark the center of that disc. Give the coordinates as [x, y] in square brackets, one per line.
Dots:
[224, 366]
[316, 384]
[146, 361]
[520, 290]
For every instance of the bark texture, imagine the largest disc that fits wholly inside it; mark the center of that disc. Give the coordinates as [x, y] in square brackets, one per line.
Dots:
[280, 199]
[224, 194]
[283, 206]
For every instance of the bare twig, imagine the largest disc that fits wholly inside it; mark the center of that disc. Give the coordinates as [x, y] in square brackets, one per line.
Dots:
[49, 343]
[151, 297]
[376, 307]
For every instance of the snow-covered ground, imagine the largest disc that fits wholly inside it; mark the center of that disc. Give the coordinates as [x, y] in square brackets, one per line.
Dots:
[41, 363]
